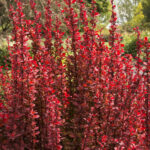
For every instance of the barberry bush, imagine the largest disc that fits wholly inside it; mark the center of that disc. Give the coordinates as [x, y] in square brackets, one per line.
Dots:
[73, 91]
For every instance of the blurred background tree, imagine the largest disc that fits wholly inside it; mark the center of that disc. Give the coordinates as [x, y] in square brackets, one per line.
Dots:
[146, 12]
[4, 16]
[138, 17]
[132, 13]
[126, 12]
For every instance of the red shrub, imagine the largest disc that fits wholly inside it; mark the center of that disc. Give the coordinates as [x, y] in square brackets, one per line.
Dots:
[84, 95]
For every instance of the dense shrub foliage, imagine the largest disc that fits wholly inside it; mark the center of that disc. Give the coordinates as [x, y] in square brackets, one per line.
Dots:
[73, 94]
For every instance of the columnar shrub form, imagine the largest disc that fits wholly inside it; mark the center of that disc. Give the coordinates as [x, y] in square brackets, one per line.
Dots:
[19, 90]
[77, 93]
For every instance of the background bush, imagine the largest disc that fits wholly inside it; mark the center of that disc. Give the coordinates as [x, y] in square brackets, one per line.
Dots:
[4, 57]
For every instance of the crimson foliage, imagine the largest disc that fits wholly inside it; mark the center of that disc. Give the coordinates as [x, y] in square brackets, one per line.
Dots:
[85, 95]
